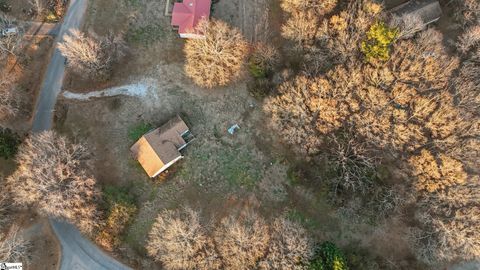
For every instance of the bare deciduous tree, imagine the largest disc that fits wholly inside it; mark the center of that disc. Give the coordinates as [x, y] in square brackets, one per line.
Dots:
[436, 173]
[91, 55]
[301, 27]
[8, 100]
[179, 241]
[450, 224]
[217, 59]
[37, 6]
[51, 177]
[469, 39]
[321, 7]
[306, 108]
[242, 241]
[467, 83]
[467, 11]
[13, 248]
[4, 209]
[400, 105]
[353, 165]
[289, 248]
[304, 19]
[341, 34]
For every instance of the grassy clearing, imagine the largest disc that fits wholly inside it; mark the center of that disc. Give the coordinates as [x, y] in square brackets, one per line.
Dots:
[300, 217]
[120, 206]
[234, 166]
[146, 35]
[133, 3]
[137, 131]
[135, 237]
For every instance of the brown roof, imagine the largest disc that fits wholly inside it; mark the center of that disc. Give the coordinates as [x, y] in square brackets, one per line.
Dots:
[160, 146]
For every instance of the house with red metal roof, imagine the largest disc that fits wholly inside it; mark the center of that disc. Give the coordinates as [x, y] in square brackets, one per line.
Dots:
[187, 14]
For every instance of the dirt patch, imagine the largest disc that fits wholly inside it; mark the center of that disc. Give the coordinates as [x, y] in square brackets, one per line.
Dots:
[19, 9]
[45, 247]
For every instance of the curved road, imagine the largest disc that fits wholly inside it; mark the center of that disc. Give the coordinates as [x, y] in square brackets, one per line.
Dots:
[78, 253]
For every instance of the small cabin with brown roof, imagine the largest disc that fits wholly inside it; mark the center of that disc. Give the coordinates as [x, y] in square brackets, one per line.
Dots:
[429, 11]
[160, 148]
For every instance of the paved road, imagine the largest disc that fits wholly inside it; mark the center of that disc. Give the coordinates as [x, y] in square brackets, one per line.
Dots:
[52, 83]
[78, 253]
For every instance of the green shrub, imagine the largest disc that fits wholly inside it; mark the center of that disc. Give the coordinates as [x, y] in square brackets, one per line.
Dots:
[328, 257]
[259, 88]
[263, 60]
[4, 6]
[114, 194]
[379, 39]
[256, 69]
[51, 17]
[9, 142]
[120, 207]
[137, 131]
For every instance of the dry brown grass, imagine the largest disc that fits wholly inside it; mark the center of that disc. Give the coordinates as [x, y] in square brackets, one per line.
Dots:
[51, 177]
[217, 59]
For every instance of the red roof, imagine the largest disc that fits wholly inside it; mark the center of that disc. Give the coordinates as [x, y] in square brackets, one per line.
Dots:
[188, 13]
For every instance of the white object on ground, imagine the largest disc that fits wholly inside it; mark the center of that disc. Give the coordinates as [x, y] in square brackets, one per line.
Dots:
[136, 90]
[10, 31]
[233, 128]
